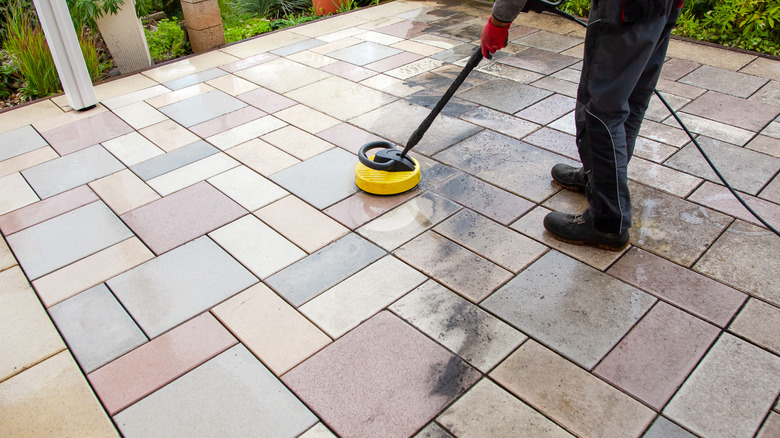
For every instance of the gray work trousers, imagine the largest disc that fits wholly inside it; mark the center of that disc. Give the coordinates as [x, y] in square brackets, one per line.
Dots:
[621, 66]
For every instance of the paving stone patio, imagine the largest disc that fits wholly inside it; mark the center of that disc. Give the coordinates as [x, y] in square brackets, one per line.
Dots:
[192, 257]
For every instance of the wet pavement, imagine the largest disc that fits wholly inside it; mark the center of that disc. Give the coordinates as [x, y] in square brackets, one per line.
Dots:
[193, 258]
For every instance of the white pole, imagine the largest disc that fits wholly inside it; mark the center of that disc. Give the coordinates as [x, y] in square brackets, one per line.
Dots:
[71, 67]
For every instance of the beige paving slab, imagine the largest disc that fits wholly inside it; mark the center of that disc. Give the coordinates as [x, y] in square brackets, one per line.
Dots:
[415, 68]
[531, 226]
[662, 178]
[301, 223]
[759, 322]
[478, 337]
[28, 114]
[311, 58]
[123, 191]
[330, 25]
[417, 47]
[579, 401]
[257, 246]
[319, 430]
[262, 157]
[245, 186]
[337, 44]
[730, 392]
[246, 132]
[668, 134]
[713, 56]
[132, 148]
[408, 220]
[27, 160]
[361, 296]
[340, 98]
[7, 258]
[122, 86]
[297, 142]
[305, 118]
[771, 427]
[282, 75]
[232, 85]
[256, 46]
[52, 399]
[28, 334]
[192, 173]
[489, 410]
[91, 271]
[140, 115]
[273, 330]
[177, 96]
[190, 65]
[15, 193]
[763, 67]
[168, 135]
[66, 118]
[390, 85]
[135, 97]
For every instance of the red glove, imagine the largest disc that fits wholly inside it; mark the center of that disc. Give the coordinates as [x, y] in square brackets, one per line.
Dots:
[493, 38]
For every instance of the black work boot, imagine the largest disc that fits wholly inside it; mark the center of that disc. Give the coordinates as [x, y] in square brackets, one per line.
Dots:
[576, 229]
[570, 177]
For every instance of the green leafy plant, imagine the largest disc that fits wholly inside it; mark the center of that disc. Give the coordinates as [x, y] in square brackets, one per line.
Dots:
[27, 47]
[746, 24]
[244, 29]
[10, 78]
[580, 8]
[293, 20]
[166, 41]
[274, 9]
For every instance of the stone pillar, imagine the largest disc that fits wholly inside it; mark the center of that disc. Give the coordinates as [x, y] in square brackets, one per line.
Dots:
[125, 38]
[204, 24]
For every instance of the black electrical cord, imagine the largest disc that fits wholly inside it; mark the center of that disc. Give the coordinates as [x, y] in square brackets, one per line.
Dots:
[555, 10]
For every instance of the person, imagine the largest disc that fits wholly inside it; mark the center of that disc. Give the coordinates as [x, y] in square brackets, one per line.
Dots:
[624, 50]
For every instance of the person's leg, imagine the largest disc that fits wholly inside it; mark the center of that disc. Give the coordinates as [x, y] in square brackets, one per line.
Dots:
[640, 97]
[615, 59]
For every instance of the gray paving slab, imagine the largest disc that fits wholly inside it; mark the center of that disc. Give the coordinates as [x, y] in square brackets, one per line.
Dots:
[496, 159]
[745, 257]
[470, 275]
[194, 79]
[201, 108]
[322, 180]
[664, 428]
[60, 241]
[505, 95]
[551, 41]
[744, 169]
[673, 228]
[473, 334]
[540, 61]
[96, 327]
[173, 160]
[297, 47]
[724, 81]
[735, 377]
[68, 172]
[323, 269]
[570, 307]
[20, 141]
[489, 200]
[398, 120]
[364, 53]
[746, 114]
[499, 122]
[172, 288]
[408, 220]
[231, 395]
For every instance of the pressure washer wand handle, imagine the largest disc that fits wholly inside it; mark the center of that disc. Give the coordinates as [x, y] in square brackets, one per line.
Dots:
[418, 133]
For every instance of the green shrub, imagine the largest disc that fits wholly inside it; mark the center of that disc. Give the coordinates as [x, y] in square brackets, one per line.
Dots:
[166, 41]
[244, 29]
[273, 9]
[746, 24]
[27, 47]
[293, 20]
[580, 8]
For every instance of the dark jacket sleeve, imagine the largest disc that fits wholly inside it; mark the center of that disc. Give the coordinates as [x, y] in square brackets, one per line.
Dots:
[507, 10]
